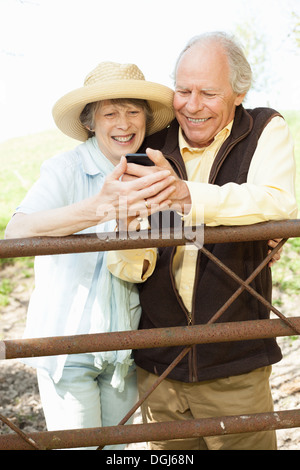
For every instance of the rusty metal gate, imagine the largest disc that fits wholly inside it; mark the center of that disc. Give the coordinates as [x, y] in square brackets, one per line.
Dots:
[188, 336]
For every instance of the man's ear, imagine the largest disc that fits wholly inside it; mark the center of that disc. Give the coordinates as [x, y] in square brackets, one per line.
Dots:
[239, 99]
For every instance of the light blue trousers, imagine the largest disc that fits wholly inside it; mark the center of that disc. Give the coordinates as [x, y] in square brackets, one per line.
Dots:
[84, 398]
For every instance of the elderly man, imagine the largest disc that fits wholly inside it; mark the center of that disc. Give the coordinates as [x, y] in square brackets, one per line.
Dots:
[236, 166]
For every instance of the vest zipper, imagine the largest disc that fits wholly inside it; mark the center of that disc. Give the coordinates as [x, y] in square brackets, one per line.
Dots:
[189, 315]
[194, 373]
[212, 178]
[179, 299]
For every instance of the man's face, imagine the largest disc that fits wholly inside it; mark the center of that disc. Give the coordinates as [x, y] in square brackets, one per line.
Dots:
[204, 101]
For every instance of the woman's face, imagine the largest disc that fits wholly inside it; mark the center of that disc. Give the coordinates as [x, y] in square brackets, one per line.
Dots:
[119, 129]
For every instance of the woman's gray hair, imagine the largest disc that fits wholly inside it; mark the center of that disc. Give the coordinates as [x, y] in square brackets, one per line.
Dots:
[240, 70]
[87, 116]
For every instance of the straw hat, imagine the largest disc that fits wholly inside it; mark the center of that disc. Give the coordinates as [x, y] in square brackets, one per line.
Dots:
[107, 81]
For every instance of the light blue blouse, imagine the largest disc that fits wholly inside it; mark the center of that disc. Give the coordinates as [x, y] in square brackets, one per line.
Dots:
[67, 295]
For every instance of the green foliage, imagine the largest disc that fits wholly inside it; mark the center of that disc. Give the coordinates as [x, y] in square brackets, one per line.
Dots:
[5, 289]
[20, 161]
[293, 120]
[286, 272]
[296, 29]
[255, 45]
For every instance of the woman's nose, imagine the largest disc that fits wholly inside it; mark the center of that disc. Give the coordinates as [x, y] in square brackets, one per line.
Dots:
[123, 122]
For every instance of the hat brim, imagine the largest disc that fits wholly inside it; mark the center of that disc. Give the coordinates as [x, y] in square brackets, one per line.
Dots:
[67, 109]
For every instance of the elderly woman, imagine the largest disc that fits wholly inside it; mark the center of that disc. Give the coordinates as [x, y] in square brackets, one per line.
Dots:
[79, 192]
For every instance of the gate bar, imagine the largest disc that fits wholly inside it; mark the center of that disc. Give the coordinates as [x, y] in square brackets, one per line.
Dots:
[21, 247]
[150, 338]
[155, 431]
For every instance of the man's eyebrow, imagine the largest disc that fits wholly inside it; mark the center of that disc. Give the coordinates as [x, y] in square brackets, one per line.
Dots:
[181, 87]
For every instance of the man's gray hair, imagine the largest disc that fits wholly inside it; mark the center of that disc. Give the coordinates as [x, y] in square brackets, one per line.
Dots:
[240, 70]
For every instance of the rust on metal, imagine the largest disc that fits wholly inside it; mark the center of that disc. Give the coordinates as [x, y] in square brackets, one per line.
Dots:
[153, 387]
[212, 332]
[245, 285]
[17, 430]
[152, 338]
[155, 431]
[35, 246]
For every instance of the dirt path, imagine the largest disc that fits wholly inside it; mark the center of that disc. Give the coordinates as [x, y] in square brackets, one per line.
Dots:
[19, 397]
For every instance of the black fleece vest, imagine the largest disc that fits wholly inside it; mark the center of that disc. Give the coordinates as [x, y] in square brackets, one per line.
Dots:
[161, 303]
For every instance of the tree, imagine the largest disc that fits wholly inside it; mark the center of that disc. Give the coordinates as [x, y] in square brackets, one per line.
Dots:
[254, 43]
[296, 29]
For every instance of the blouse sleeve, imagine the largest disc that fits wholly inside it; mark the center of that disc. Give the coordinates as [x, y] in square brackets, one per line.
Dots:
[53, 189]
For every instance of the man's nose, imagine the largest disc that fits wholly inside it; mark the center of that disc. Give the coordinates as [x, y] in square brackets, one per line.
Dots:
[195, 103]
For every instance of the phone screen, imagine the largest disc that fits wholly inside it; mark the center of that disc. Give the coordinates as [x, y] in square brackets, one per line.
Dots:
[139, 159]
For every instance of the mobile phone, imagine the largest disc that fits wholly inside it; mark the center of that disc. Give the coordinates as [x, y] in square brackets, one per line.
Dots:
[139, 159]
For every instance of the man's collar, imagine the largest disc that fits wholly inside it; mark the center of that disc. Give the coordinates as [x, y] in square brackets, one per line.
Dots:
[184, 145]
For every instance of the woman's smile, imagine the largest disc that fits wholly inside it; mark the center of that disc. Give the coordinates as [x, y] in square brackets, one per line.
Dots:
[123, 138]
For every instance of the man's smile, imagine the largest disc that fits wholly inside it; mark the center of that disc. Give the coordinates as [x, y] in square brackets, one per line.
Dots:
[196, 121]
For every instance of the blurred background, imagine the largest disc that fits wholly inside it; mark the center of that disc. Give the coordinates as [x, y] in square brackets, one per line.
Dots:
[47, 47]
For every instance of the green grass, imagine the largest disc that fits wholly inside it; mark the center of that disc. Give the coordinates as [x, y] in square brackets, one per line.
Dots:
[6, 288]
[286, 272]
[293, 120]
[20, 161]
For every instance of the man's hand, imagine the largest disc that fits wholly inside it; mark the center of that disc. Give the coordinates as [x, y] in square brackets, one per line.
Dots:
[180, 197]
[272, 244]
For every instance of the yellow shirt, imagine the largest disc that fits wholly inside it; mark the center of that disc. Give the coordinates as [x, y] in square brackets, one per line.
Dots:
[268, 194]
[198, 163]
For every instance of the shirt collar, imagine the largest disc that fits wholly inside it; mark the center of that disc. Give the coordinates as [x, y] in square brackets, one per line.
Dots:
[93, 160]
[223, 134]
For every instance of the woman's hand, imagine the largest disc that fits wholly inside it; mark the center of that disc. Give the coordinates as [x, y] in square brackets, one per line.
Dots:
[180, 198]
[130, 197]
